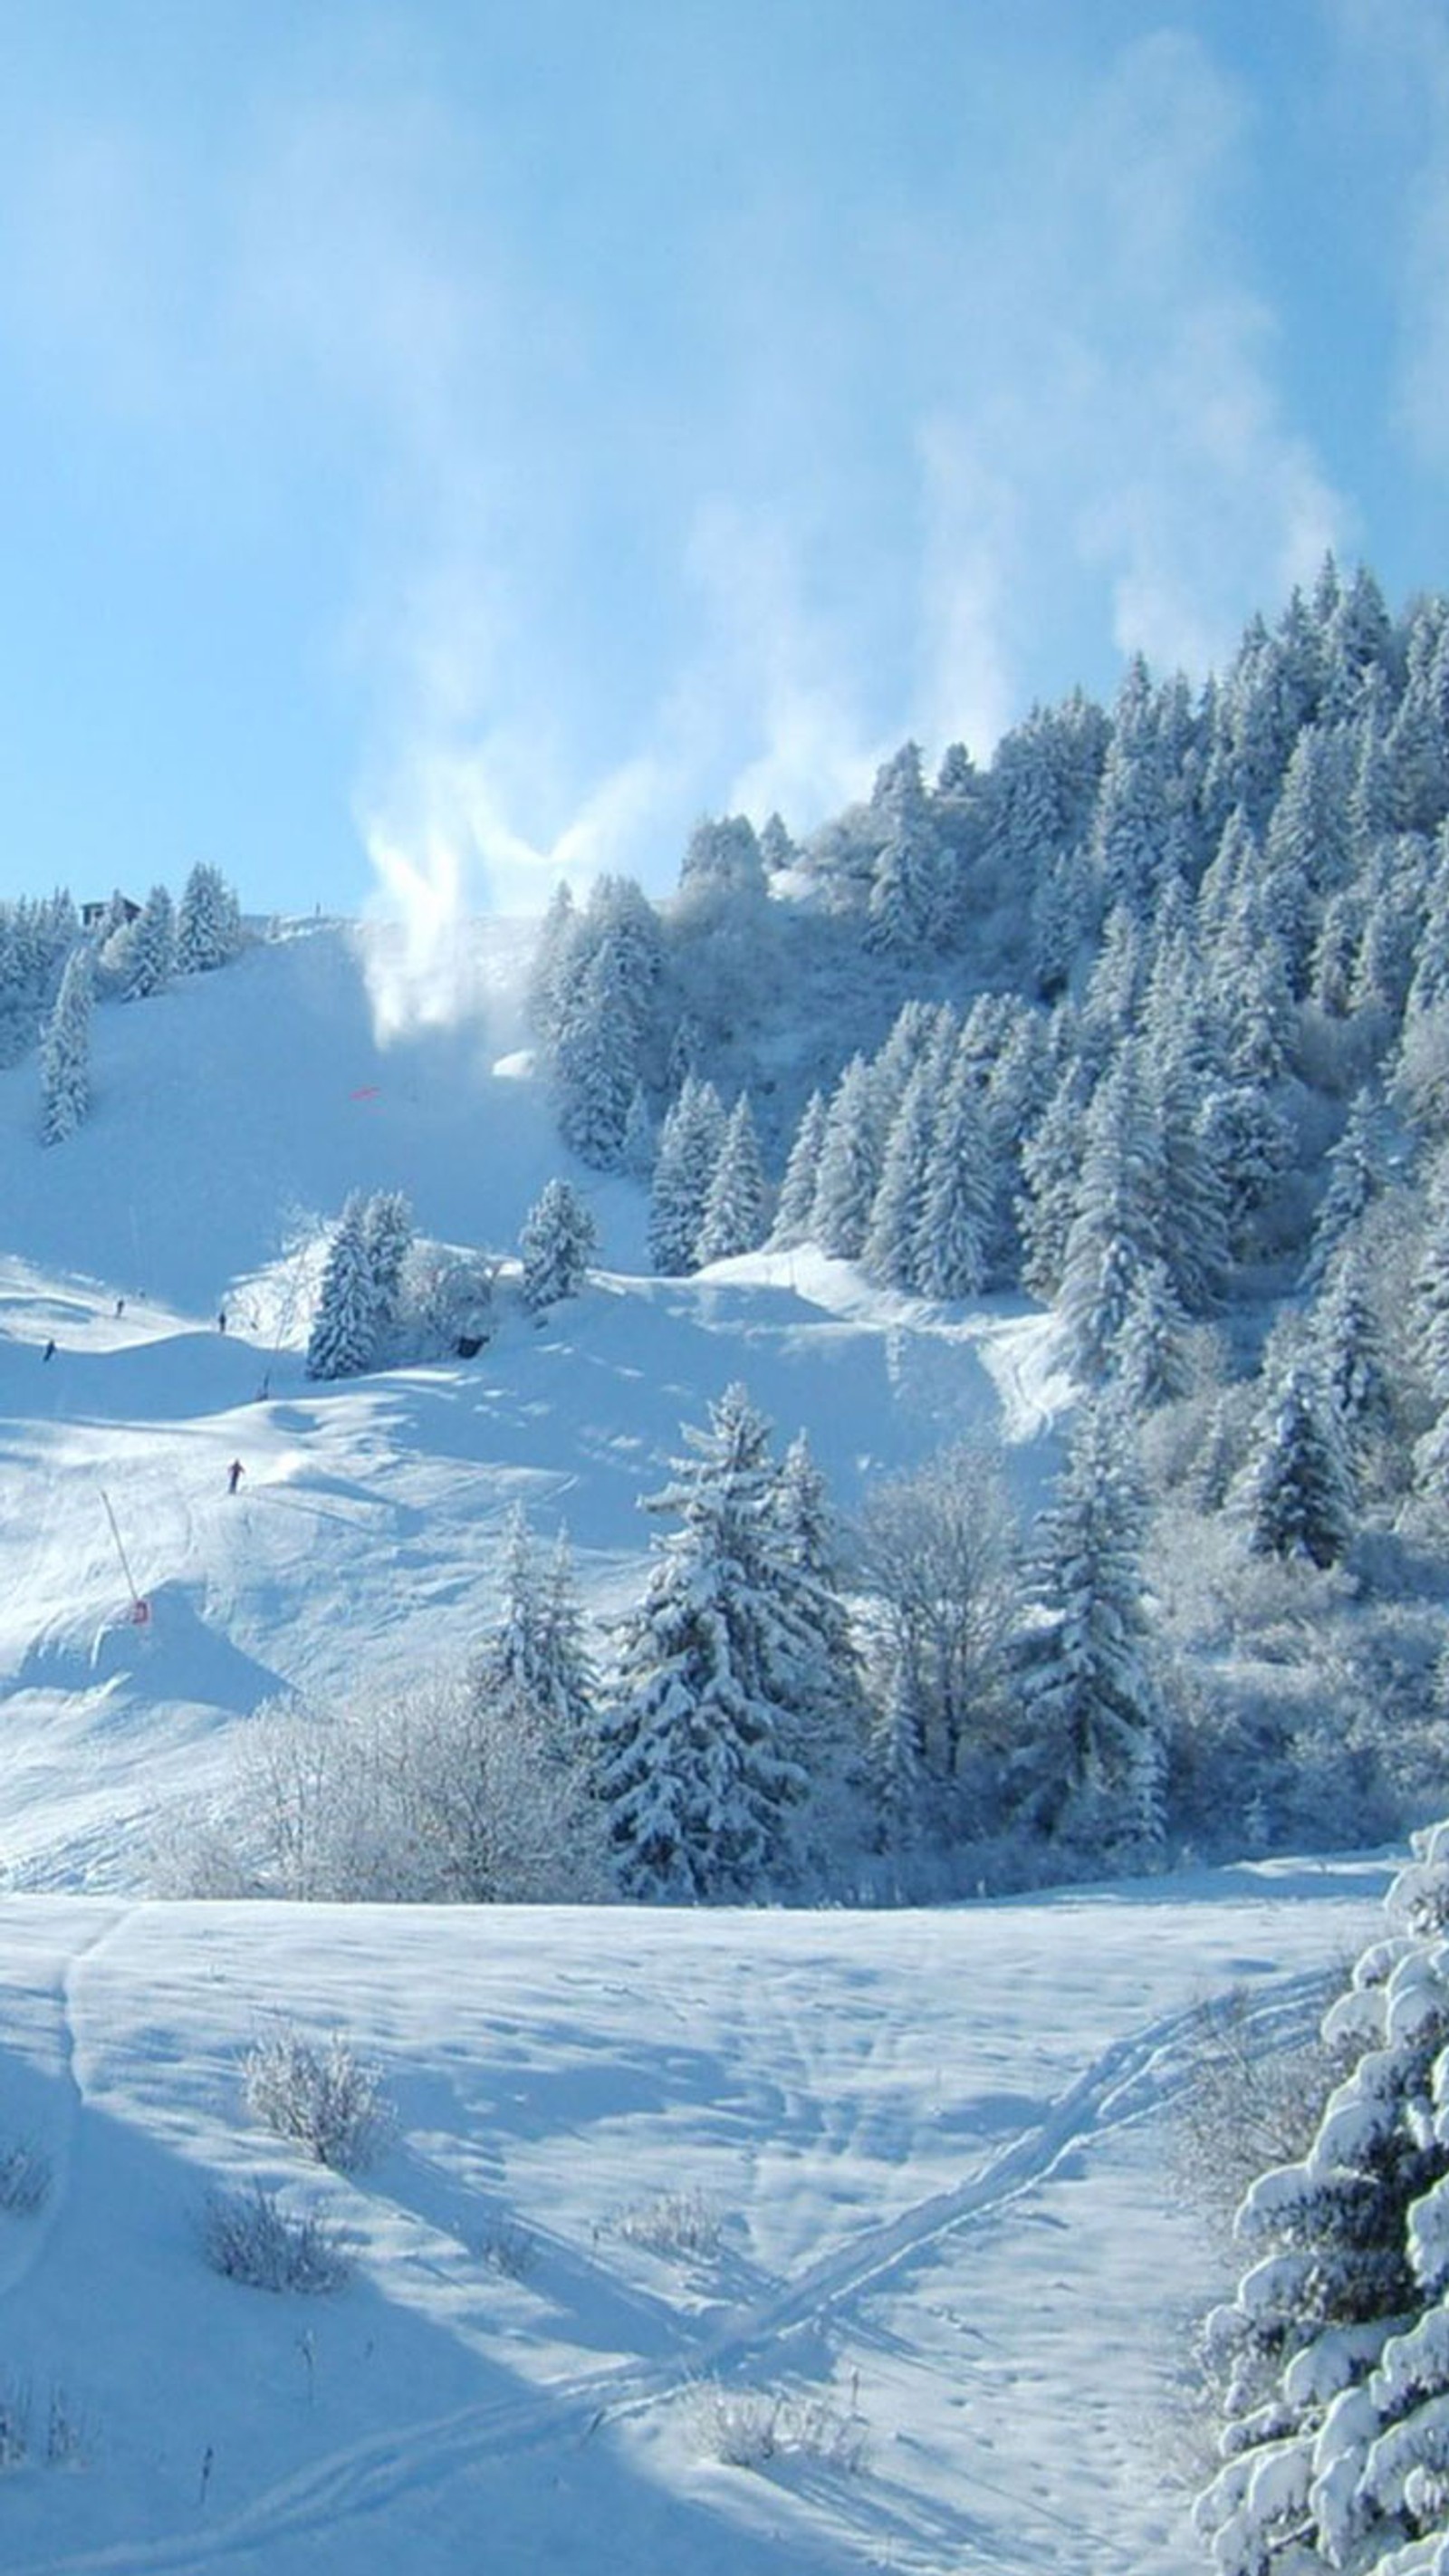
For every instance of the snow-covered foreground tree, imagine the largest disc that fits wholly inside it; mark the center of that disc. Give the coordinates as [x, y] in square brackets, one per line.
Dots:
[1333, 2360]
[704, 1752]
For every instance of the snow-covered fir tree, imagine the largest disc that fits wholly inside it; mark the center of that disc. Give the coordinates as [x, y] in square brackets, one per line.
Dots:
[892, 1247]
[344, 1330]
[151, 947]
[387, 1234]
[1332, 2362]
[1151, 1355]
[65, 1053]
[557, 1243]
[794, 1207]
[1355, 1176]
[208, 922]
[952, 1242]
[1299, 1496]
[849, 1173]
[689, 1148]
[734, 1218]
[596, 1063]
[1350, 1360]
[1088, 1766]
[695, 1772]
[534, 1659]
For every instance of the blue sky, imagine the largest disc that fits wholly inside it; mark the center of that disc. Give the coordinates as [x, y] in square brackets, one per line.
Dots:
[442, 446]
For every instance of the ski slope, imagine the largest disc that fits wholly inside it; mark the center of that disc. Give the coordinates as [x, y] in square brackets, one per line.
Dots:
[935, 2145]
[232, 1115]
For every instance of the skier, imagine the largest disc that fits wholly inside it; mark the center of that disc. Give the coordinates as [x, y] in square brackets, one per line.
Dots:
[234, 1475]
[120, 1308]
[221, 1320]
[49, 1352]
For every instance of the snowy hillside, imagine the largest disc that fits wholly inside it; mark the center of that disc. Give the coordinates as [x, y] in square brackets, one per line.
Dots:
[232, 1115]
[898, 2184]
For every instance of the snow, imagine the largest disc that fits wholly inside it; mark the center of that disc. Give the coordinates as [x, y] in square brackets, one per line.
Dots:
[937, 2144]
[934, 2141]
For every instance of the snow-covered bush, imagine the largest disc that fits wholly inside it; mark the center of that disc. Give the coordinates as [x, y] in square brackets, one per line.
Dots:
[447, 1301]
[506, 2248]
[752, 2428]
[685, 2226]
[1254, 2089]
[249, 2236]
[57, 2436]
[321, 2095]
[433, 1794]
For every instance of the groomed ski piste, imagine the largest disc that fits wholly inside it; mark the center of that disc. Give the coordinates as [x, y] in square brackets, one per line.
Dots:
[884, 2203]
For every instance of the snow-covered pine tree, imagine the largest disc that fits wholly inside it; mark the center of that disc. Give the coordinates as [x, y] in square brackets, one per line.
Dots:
[694, 1773]
[344, 1329]
[1051, 1171]
[596, 1062]
[908, 898]
[387, 1234]
[1151, 1355]
[65, 1053]
[557, 1243]
[1117, 1226]
[1333, 2360]
[550, 965]
[533, 1659]
[822, 1691]
[1089, 1764]
[689, 1148]
[1350, 1361]
[1299, 1493]
[849, 1166]
[636, 1155]
[565, 1681]
[734, 1209]
[958, 1197]
[890, 1250]
[151, 952]
[802, 1176]
[208, 922]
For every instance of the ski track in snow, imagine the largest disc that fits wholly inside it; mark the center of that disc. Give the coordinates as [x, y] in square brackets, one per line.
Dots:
[1130, 2080]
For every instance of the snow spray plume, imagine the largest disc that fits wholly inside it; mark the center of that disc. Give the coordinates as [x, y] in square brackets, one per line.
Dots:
[461, 858]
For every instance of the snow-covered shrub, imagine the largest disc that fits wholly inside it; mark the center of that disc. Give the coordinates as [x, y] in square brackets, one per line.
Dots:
[751, 2428]
[683, 2225]
[1253, 2093]
[321, 2095]
[434, 1794]
[447, 1299]
[248, 2236]
[507, 2249]
[25, 2177]
[61, 2440]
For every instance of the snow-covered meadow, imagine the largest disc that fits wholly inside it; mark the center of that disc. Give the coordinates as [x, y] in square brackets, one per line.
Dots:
[909, 2175]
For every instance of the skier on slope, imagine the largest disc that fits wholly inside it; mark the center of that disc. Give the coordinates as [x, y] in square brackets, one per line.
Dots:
[234, 1475]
